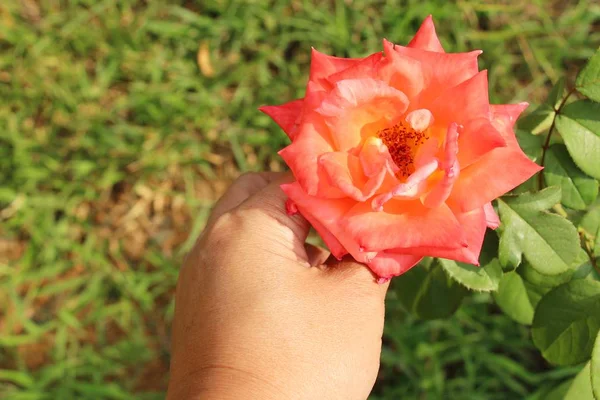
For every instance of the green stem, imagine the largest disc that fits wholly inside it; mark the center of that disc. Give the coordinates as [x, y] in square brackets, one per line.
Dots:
[589, 251]
[547, 142]
[592, 258]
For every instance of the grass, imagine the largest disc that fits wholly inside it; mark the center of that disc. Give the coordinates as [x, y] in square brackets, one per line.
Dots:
[122, 121]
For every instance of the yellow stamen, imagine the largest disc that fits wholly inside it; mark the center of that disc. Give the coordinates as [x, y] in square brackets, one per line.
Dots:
[402, 142]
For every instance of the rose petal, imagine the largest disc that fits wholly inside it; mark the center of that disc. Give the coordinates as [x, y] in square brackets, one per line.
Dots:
[313, 98]
[473, 224]
[426, 152]
[285, 115]
[387, 265]
[420, 119]
[504, 117]
[496, 173]
[483, 138]
[365, 68]
[402, 224]
[426, 37]
[355, 104]
[374, 156]
[411, 189]
[325, 215]
[450, 168]
[439, 72]
[402, 73]
[463, 102]
[301, 156]
[334, 245]
[491, 218]
[467, 104]
[345, 172]
[322, 66]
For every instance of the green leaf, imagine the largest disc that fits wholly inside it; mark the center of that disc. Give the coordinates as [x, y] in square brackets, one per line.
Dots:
[429, 294]
[585, 271]
[579, 125]
[590, 223]
[566, 322]
[530, 144]
[591, 220]
[595, 368]
[538, 121]
[537, 285]
[588, 79]
[541, 200]
[483, 279]
[534, 277]
[559, 392]
[407, 285]
[489, 248]
[513, 299]
[531, 275]
[556, 94]
[535, 293]
[578, 189]
[581, 388]
[548, 241]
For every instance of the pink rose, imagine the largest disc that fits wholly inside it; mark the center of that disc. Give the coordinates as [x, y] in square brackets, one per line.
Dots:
[398, 155]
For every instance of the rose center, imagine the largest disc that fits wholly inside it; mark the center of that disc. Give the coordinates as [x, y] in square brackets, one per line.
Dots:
[402, 142]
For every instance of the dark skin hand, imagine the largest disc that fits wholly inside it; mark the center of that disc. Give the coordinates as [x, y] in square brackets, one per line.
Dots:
[259, 314]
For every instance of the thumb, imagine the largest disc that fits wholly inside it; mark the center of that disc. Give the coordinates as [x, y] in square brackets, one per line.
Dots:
[243, 188]
[270, 205]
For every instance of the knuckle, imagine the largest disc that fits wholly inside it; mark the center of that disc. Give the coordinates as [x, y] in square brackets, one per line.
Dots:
[251, 177]
[223, 226]
[217, 238]
[232, 228]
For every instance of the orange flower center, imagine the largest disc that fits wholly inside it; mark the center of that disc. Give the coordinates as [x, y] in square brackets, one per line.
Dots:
[402, 142]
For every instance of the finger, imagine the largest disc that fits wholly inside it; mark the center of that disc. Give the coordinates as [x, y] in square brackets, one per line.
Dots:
[316, 255]
[352, 272]
[272, 201]
[269, 207]
[240, 190]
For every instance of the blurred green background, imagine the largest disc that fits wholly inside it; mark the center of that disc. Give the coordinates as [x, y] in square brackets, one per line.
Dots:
[121, 122]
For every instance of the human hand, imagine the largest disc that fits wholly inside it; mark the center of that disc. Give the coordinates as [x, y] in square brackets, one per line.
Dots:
[261, 315]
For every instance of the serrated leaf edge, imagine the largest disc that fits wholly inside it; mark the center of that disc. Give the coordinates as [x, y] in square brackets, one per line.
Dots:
[452, 275]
